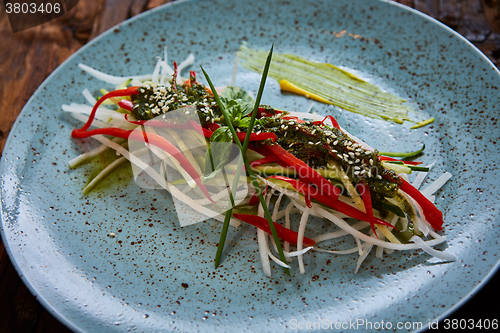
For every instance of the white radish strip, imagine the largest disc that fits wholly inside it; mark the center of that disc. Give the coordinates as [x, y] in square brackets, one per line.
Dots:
[235, 70]
[371, 240]
[88, 96]
[422, 224]
[263, 246]
[298, 253]
[90, 154]
[276, 260]
[436, 235]
[102, 113]
[87, 109]
[288, 209]
[282, 213]
[437, 184]
[348, 251]
[420, 177]
[104, 172]
[340, 233]
[96, 123]
[187, 62]
[264, 251]
[366, 251]
[379, 253]
[276, 207]
[114, 80]
[433, 252]
[358, 244]
[156, 72]
[300, 238]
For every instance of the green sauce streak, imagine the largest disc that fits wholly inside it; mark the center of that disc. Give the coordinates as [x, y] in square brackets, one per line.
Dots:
[332, 84]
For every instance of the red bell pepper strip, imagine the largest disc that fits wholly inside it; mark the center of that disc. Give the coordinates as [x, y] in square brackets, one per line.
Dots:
[257, 137]
[283, 233]
[116, 93]
[364, 191]
[338, 205]
[126, 104]
[333, 120]
[153, 139]
[265, 160]
[297, 119]
[174, 77]
[387, 158]
[322, 122]
[304, 171]
[432, 214]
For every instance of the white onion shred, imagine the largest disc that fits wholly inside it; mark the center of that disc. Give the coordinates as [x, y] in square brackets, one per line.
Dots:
[300, 238]
[433, 252]
[436, 185]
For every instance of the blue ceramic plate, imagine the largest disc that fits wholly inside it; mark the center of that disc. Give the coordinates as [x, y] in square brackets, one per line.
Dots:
[157, 276]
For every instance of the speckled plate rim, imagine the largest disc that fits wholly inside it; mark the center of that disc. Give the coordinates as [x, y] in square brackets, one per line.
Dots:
[53, 310]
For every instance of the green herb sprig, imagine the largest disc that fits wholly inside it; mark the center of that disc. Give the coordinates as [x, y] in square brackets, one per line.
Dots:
[251, 175]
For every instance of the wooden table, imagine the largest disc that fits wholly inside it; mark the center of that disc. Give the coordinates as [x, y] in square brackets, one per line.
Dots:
[29, 56]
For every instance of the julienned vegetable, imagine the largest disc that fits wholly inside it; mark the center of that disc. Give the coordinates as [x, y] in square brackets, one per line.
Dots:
[304, 163]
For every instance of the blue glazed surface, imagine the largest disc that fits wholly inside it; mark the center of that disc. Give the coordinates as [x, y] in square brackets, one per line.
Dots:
[157, 276]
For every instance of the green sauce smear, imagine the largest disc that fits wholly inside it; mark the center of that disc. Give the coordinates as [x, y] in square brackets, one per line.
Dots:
[328, 84]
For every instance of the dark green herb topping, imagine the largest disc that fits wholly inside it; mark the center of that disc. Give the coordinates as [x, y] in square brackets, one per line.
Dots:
[318, 145]
[153, 101]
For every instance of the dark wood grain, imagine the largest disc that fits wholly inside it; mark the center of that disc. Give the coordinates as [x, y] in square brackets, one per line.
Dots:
[28, 57]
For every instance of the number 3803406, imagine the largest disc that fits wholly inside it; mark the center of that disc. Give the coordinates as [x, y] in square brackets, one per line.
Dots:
[33, 8]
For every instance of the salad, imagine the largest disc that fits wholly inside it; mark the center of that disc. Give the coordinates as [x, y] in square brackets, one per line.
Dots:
[294, 163]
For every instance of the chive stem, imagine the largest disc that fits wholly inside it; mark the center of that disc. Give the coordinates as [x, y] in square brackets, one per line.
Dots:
[251, 175]
[403, 155]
